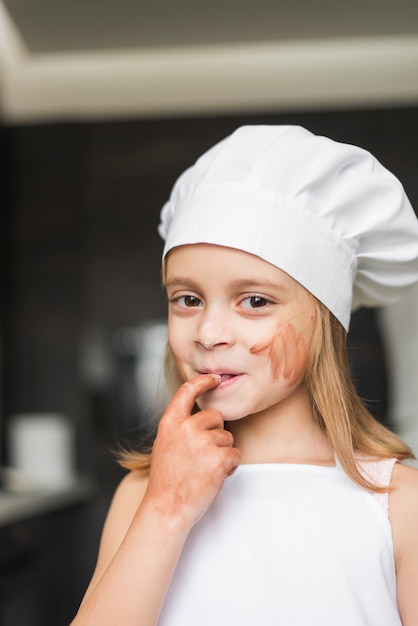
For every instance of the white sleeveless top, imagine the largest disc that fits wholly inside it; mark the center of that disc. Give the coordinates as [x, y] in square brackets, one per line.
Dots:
[288, 545]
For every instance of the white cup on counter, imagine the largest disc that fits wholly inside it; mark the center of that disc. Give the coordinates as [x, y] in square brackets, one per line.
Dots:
[42, 449]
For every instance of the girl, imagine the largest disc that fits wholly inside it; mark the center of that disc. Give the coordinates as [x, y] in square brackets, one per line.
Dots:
[278, 500]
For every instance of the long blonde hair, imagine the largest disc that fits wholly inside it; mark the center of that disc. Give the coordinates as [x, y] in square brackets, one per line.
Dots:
[349, 426]
[351, 429]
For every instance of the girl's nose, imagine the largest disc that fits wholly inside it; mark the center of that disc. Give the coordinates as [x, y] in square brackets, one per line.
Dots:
[212, 332]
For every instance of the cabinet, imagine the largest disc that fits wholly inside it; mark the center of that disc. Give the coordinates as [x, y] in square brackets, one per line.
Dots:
[44, 557]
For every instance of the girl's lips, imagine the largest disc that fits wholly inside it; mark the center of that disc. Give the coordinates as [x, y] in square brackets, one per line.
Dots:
[222, 373]
[227, 378]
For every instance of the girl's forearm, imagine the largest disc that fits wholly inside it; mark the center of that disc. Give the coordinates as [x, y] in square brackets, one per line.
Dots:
[133, 587]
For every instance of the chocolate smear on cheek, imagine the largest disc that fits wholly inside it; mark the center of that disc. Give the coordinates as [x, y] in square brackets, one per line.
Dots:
[286, 352]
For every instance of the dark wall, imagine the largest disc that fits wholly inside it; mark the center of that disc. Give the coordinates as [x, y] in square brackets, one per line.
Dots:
[81, 212]
[6, 286]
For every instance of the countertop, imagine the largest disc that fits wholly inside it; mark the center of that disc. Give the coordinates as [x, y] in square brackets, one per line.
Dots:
[19, 505]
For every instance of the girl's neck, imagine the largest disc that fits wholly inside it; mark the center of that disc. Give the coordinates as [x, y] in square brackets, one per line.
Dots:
[282, 434]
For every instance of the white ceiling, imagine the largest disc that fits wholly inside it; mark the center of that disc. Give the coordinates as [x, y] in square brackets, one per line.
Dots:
[70, 25]
[112, 58]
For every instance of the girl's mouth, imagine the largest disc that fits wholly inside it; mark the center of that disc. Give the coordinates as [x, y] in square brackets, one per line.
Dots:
[227, 378]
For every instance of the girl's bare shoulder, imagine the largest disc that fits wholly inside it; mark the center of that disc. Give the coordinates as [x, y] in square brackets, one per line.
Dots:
[404, 480]
[133, 484]
[125, 502]
[403, 513]
[403, 509]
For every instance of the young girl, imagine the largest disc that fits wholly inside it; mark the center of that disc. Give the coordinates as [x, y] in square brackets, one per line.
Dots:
[278, 499]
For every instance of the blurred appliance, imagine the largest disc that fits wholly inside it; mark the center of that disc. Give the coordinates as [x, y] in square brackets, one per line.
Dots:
[141, 390]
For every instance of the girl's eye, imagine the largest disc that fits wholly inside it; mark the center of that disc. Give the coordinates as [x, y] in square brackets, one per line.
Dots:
[254, 302]
[188, 301]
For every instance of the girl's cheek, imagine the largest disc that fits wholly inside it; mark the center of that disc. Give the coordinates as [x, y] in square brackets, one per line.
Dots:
[294, 353]
[175, 353]
[286, 352]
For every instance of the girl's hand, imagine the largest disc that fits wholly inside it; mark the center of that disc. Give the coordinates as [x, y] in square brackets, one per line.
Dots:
[191, 457]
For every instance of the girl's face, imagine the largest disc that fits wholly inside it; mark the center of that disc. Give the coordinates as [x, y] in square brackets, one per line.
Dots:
[231, 313]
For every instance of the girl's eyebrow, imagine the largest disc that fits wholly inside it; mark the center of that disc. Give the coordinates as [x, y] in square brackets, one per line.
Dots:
[257, 283]
[239, 284]
[180, 280]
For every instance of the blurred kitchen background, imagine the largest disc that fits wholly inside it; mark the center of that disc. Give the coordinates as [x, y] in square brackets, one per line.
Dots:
[102, 105]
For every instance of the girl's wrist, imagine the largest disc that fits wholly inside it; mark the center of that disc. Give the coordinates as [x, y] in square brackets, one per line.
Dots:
[168, 517]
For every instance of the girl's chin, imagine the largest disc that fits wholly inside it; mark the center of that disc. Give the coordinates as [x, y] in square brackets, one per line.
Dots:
[228, 415]
[234, 418]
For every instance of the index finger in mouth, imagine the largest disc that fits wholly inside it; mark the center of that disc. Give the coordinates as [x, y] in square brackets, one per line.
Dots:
[182, 403]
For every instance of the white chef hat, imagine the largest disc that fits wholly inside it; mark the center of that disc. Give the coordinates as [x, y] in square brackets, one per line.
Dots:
[327, 213]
